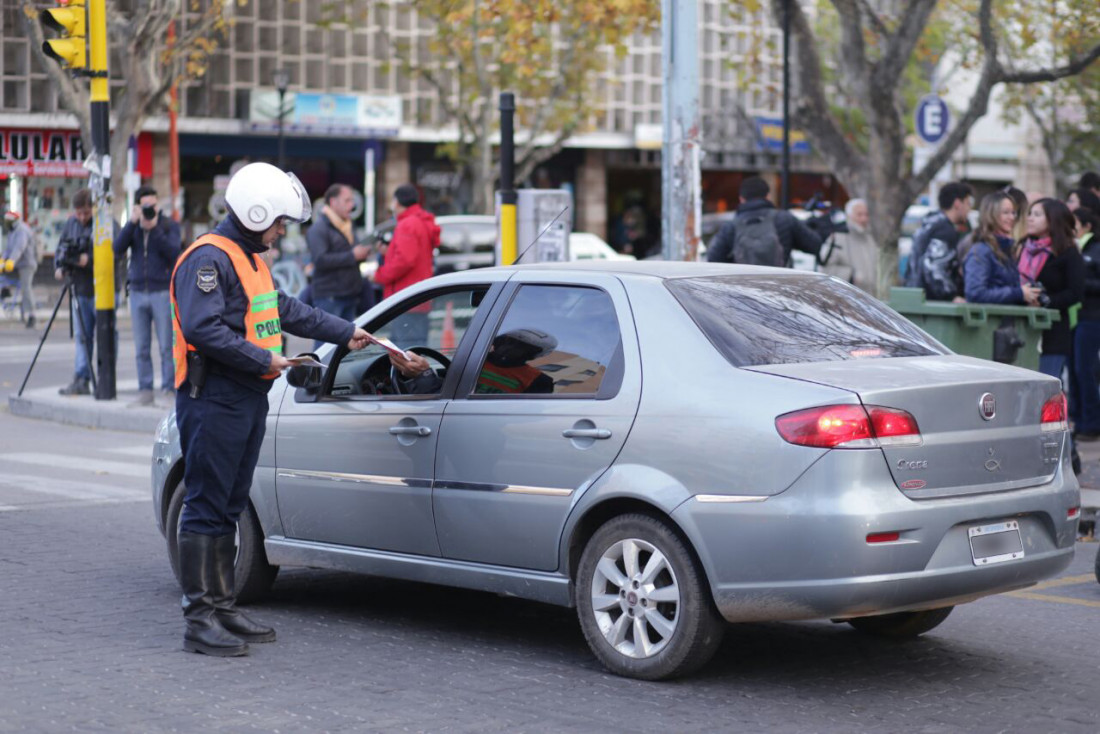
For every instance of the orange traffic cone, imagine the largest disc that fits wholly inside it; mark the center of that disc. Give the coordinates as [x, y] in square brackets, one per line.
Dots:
[447, 342]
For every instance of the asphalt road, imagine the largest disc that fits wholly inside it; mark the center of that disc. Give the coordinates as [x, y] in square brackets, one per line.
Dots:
[90, 633]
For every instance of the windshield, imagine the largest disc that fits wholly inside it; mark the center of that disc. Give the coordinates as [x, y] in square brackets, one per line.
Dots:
[787, 319]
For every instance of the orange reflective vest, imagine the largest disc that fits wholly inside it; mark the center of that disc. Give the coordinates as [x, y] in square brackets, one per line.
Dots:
[497, 379]
[261, 320]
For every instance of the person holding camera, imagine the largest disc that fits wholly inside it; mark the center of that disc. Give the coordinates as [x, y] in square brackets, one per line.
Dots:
[74, 262]
[153, 241]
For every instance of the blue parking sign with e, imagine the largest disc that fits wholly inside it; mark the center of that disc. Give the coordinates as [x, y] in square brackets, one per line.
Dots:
[932, 119]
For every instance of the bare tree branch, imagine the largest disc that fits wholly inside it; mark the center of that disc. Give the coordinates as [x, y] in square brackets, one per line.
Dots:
[1049, 75]
[869, 12]
[900, 45]
[855, 70]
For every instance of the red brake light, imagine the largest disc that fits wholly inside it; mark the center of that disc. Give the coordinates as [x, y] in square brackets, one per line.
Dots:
[1054, 414]
[894, 427]
[883, 537]
[849, 426]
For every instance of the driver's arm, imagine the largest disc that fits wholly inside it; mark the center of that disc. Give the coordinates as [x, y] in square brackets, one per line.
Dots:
[420, 378]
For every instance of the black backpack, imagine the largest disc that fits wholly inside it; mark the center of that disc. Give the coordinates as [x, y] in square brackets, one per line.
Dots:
[939, 268]
[755, 240]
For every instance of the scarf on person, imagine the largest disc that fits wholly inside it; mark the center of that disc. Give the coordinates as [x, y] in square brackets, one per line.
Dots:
[343, 226]
[1032, 259]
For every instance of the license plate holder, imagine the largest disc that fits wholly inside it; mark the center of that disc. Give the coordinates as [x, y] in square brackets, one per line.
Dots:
[996, 543]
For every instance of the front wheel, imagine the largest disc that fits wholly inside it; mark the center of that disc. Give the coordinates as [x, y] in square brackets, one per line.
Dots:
[643, 603]
[902, 624]
[252, 574]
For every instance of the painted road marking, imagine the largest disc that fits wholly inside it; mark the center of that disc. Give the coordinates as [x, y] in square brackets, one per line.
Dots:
[1055, 599]
[142, 452]
[70, 489]
[84, 464]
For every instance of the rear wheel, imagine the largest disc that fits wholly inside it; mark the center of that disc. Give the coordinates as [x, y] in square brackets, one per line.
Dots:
[902, 624]
[643, 603]
[1097, 569]
[252, 574]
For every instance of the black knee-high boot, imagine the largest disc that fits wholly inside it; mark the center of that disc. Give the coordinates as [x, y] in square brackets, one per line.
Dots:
[204, 632]
[225, 597]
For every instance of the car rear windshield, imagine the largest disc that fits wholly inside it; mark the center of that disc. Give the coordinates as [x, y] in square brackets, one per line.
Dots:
[786, 319]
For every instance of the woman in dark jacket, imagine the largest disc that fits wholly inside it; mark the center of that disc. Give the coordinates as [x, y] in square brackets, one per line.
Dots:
[1049, 257]
[1086, 339]
[989, 272]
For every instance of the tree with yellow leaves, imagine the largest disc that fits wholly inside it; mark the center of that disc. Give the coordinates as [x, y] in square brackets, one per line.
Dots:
[856, 106]
[550, 53]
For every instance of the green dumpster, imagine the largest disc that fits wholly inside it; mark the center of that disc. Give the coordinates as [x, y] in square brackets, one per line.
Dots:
[968, 328]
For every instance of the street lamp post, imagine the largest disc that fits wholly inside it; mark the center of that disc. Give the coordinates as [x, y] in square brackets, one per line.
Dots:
[281, 78]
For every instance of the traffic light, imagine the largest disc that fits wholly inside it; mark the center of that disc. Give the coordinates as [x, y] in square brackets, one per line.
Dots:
[69, 50]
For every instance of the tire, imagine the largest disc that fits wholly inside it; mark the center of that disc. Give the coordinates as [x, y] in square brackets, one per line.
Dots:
[252, 574]
[681, 629]
[1096, 570]
[901, 625]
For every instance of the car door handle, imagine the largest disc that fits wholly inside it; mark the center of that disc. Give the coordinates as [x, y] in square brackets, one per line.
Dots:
[410, 431]
[586, 433]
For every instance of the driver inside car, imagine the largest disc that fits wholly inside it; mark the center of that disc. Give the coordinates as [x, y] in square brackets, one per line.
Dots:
[506, 369]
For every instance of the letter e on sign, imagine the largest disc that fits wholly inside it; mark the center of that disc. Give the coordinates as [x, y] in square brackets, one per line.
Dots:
[933, 119]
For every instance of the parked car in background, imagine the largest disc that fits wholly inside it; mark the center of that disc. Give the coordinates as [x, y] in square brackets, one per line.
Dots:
[465, 241]
[587, 246]
[796, 450]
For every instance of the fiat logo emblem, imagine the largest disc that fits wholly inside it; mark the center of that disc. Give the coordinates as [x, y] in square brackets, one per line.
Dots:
[987, 406]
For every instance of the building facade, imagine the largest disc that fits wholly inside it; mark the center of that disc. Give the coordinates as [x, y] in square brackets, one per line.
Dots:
[353, 109]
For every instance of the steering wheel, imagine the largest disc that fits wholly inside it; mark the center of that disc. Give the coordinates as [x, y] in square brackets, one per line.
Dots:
[395, 376]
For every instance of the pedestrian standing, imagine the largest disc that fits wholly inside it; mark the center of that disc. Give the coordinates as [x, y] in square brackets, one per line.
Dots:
[153, 242]
[75, 263]
[1083, 197]
[1086, 339]
[228, 326]
[989, 272]
[337, 284]
[933, 260]
[1049, 257]
[760, 234]
[408, 260]
[21, 255]
[854, 255]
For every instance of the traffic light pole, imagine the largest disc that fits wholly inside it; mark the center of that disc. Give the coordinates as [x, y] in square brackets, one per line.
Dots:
[105, 324]
[508, 195]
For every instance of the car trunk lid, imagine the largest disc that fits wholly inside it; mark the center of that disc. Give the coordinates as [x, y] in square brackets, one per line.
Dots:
[962, 451]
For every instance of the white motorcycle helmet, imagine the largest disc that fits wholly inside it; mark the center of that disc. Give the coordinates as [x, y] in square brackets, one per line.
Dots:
[260, 194]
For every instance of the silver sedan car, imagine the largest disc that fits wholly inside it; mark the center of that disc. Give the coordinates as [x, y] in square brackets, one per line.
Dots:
[666, 448]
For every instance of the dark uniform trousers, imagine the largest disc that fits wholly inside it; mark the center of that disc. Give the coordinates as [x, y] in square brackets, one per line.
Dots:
[221, 432]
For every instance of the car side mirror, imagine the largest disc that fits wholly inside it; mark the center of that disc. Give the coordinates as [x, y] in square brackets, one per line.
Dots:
[307, 376]
[304, 377]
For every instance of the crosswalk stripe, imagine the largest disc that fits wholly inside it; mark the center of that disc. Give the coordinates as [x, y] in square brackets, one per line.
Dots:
[70, 489]
[83, 464]
[144, 452]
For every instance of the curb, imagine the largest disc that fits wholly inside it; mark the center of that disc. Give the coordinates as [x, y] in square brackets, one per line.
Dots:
[85, 410]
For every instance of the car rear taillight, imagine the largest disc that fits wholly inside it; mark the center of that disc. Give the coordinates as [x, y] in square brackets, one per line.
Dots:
[849, 427]
[1054, 414]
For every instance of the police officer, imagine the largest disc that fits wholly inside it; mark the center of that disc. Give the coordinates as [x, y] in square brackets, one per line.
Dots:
[227, 348]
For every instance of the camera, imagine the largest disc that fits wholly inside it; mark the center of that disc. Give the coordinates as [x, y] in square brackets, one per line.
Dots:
[68, 254]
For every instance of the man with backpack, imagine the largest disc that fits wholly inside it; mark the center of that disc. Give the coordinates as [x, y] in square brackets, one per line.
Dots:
[760, 234]
[933, 260]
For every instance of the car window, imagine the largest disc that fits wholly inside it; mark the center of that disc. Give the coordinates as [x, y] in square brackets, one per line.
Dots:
[557, 340]
[784, 319]
[438, 323]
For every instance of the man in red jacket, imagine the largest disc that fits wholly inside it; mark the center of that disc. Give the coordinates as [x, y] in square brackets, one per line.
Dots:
[408, 260]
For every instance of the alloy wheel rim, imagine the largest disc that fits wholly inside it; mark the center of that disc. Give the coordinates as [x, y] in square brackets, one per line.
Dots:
[635, 598]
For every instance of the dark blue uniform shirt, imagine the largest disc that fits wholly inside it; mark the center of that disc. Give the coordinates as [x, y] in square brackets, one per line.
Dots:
[213, 318]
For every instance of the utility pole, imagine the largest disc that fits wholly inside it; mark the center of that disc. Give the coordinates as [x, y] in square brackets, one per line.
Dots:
[681, 201]
[508, 196]
[785, 173]
[83, 48]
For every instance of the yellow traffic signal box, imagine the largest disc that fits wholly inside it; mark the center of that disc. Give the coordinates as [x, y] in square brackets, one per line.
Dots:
[69, 20]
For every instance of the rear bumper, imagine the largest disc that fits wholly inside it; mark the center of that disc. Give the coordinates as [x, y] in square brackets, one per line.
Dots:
[803, 554]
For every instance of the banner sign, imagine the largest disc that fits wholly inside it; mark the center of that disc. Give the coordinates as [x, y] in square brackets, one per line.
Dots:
[769, 136]
[326, 114]
[42, 153]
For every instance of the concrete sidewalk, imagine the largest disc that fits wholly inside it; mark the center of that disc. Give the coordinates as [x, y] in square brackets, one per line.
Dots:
[120, 414]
